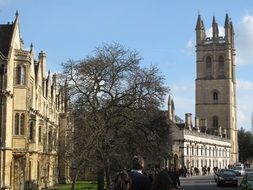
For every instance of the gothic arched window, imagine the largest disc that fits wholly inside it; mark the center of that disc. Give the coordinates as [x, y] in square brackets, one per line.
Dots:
[208, 65]
[31, 131]
[215, 122]
[19, 124]
[50, 139]
[22, 124]
[221, 65]
[40, 134]
[21, 75]
[215, 97]
[16, 130]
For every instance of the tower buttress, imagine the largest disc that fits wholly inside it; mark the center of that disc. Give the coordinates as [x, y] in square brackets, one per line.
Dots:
[215, 83]
[200, 30]
[171, 109]
[229, 31]
[215, 29]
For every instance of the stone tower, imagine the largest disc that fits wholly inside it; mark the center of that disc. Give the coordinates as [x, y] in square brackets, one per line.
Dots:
[216, 82]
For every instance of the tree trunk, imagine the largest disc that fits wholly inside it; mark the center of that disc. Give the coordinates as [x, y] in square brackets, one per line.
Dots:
[100, 179]
[108, 177]
[74, 179]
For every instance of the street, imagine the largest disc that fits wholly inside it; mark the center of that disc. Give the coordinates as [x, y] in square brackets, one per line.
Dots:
[203, 183]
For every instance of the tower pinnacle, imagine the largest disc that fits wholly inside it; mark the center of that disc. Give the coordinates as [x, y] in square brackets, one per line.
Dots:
[200, 30]
[215, 28]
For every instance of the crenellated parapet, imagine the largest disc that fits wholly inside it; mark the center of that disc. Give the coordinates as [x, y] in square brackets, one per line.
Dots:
[201, 37]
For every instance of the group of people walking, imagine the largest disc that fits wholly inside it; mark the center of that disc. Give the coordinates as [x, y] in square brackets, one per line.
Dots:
[136, 179]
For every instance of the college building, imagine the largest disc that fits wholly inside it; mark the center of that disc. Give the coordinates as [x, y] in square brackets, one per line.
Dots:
[33, 116]
[212, 141]
[35, 126]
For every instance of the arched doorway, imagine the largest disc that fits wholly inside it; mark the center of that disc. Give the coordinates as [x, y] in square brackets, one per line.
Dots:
[19, 164]
[176, 166]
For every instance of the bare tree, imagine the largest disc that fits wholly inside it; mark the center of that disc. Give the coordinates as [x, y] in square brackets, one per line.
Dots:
[117, 108]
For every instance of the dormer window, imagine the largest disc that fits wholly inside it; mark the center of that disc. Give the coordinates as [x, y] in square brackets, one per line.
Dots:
[21, 75]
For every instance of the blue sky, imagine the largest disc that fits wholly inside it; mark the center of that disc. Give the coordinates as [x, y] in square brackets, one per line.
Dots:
[162, 31]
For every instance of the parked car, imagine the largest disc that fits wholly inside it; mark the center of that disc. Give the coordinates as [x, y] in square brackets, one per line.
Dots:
[227, 178]
[239, 164]
[239, 169]
[247, 181]
[216, 174]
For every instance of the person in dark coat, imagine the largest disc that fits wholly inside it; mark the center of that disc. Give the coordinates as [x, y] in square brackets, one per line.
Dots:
[162, 181]
[174, 175]
[139, 180]
[122, 181]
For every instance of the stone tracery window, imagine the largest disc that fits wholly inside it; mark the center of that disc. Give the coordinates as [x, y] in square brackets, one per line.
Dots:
[215, 97]
[19, 124]
[221, 65]
[208, 65]
[40, 134]
[215, 122]
[50, 139]
[16, 130]
[22, 124]
[31, 132]
[21, 75]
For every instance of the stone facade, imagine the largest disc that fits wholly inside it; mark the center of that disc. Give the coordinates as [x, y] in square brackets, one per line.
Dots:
[195, 149]
[216, 82]
[212, 142]
[33, 111]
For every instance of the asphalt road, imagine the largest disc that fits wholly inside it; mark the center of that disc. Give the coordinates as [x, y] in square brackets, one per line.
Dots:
[205, 183]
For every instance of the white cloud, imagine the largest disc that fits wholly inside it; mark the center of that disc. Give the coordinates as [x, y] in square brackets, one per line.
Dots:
[244, 116]
[244, 103]
[184, 99]
[241, 119]
[190, 47]
[209, 31]
[244, 40]
[244, 85]
[182, 89]
[183, 96]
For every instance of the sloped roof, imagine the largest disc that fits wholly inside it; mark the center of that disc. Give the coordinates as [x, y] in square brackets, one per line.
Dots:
[181, 125]
[6, 31]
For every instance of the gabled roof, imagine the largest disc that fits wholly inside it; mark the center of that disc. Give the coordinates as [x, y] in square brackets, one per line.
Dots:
[180, 125]
[6, 32]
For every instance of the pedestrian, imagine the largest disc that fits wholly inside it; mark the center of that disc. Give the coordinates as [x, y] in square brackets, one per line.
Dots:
[162, 181]
[191, 171]
[208, 170]
[122, 181]
[185, 171]
[151, 175]
[174, 175]
[139, 180]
